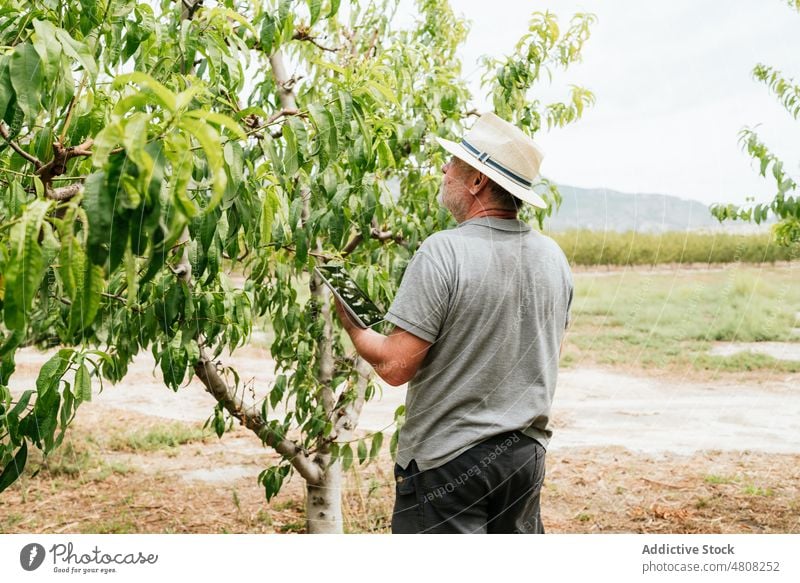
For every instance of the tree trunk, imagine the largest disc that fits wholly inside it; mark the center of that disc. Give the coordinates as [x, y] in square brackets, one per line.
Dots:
[324, 502]
[324, 497]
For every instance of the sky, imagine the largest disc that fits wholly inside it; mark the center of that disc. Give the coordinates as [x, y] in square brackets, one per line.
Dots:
[673, 86]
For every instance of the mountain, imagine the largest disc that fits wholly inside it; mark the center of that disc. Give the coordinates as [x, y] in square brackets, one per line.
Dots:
[601, 209]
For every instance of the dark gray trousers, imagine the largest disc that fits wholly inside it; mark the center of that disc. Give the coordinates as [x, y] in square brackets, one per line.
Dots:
[493, 487]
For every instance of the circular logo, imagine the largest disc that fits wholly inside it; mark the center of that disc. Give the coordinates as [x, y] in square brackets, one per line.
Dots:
[31, 556]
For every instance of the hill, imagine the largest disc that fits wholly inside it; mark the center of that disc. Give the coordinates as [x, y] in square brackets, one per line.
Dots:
[601, 209]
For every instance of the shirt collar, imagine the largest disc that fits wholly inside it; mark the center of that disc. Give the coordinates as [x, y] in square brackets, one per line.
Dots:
[514, 225]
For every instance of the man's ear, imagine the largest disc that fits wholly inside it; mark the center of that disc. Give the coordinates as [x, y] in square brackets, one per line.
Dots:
[478, 182]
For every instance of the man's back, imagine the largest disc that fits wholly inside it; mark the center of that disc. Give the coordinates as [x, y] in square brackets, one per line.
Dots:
[493, 295]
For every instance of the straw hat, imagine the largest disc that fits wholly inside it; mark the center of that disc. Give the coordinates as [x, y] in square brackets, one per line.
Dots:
[501, 151]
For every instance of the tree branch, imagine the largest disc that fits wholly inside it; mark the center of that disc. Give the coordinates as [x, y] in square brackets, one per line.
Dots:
[16, 147]
[347, 417]
[61, 156]
[303, 33]
[352, 244]
[374, 233]
[251, 418]
[386, 235]
[283, 81]
[64, 192]
[279, 114]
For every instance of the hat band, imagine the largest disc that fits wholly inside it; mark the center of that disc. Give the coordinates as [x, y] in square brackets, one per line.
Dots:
[485, 158]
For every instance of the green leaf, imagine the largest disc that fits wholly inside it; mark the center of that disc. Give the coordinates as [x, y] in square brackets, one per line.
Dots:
[14, 468]
[209, 140]
[84, 309]
[51, 372]
[218, 119]
[6, 88]
[314, 7]
[291, 163]
[163, 95]
[25, 267]
[385, 156]
[301, 245]
[27, 78]
[359, 117]
[384, 91]
[267, 37]
[347, 456]
[83, 384]
[180, 158]
[78, 51]
[22, 403]
[48, 48]
[276, 394]
[71, 265]
[228, 13]
[375, 449]
[174, 362]
[362, 451]
[272, 479]
[269, 207]
[393, 445]
[334, 8]
[98, 200]
[219, 421]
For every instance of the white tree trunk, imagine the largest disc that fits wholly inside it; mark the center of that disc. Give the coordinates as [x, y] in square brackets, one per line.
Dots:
[324, 503]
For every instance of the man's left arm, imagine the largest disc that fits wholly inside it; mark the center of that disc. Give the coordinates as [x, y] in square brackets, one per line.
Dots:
[396, 357]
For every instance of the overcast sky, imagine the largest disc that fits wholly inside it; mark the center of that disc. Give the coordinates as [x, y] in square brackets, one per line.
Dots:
[673, 86]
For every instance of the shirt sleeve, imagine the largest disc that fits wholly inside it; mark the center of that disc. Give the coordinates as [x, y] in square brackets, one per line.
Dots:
[421, 303]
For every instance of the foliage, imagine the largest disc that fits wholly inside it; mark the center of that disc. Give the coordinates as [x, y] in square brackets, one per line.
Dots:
[785, 205]
[144, 142]
[542, 49]
[584, 247]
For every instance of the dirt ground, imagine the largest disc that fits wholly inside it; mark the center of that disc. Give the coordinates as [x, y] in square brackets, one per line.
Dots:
[209, 486]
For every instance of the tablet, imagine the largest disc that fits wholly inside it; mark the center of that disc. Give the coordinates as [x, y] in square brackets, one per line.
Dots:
[357, 303]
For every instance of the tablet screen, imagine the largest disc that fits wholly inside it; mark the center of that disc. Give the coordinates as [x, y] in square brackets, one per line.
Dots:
[351, 294]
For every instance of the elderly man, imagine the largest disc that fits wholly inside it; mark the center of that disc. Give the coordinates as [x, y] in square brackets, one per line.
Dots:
[479, 320]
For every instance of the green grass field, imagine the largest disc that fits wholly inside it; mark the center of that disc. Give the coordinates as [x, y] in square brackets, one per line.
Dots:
[670, 320]
[583, 247]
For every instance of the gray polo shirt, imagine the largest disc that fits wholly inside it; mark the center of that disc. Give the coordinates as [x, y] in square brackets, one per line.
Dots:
[493, 296]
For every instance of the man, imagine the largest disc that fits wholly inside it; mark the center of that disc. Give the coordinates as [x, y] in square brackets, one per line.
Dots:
[480, 318]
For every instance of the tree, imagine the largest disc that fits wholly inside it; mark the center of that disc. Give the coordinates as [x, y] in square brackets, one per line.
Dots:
[144, 143]
[785, 205]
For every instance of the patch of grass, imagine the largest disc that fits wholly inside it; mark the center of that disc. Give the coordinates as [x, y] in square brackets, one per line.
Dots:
[7, 524]
[583, 517]
[78, 460]
[114, 468]
[287, 504]
[751, 490]
[122, 525]
[293, 526]
[70, 460]
[669, 321]
[714, 479]
[159, 437]
[567, 360]
[745, 361]
[264, 517]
